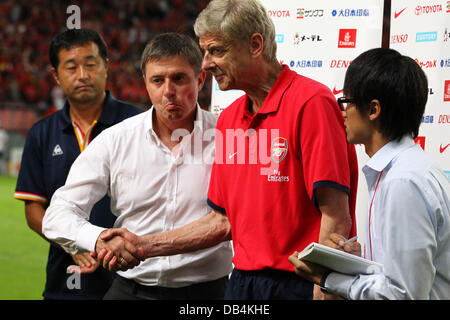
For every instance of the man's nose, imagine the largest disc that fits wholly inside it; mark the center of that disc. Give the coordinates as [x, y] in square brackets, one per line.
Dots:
[169, 88]
[82, 72]
[207, 63]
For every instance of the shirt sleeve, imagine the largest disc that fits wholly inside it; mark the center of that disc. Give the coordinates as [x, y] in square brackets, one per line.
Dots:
[409, 246]
[30, 182]
[215, 199]
[323, 145]
[66, 219]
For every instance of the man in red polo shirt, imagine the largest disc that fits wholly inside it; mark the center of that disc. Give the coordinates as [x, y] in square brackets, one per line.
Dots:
[284, 174]
[303, 184]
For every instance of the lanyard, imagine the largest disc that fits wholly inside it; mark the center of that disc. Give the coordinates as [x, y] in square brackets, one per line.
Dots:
[83, 139]
[370, 215]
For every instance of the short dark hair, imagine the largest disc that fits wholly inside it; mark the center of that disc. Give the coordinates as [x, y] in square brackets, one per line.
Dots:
[399, 84]
[76, 37]
[172, 44]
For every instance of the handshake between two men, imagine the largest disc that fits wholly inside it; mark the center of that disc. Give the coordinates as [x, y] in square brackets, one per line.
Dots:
[119, 249]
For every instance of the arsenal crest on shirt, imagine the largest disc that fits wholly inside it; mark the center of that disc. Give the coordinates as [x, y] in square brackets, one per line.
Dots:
[279, 149]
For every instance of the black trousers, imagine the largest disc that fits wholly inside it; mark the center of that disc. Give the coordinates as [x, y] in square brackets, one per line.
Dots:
[126, 289]
[268, 284]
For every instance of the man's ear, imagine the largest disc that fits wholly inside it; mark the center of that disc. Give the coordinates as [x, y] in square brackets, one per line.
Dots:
[106, 67]
[201, 79]
[374, 109]
[256, 44]
[55, 75]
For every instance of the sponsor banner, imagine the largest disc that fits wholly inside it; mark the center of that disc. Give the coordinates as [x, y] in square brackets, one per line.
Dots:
[420, 29]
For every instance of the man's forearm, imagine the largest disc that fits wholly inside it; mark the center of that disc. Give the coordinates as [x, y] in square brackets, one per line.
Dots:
[330, 225]
[34, 213]
[206, 232]
[333, 205]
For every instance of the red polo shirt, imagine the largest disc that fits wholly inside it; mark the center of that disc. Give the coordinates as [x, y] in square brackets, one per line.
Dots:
[268, 166]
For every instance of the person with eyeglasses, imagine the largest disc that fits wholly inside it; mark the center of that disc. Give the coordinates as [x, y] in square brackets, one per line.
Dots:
[408, 219]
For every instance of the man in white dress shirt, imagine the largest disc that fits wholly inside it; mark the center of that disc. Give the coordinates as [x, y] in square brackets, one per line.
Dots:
[408, 228]
[156, 168]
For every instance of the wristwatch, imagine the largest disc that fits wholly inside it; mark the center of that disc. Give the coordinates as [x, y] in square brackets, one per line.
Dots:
[322, 282]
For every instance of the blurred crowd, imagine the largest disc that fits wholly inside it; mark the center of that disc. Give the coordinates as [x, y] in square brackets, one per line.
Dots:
[27, 27]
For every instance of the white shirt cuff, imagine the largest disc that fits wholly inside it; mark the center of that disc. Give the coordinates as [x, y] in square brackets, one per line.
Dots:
[339, 284]
[87, 237]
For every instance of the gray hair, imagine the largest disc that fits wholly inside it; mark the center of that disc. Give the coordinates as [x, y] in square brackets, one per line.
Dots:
[172, 44]
[238, 20]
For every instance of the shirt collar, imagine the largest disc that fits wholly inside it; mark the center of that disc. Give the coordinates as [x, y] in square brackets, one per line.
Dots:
[110, 110]
[383, 157]
[273, 99]
[198, 122]
[107, 117]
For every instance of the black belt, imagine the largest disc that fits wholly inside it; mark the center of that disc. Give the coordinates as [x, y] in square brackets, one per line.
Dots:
[159, 292]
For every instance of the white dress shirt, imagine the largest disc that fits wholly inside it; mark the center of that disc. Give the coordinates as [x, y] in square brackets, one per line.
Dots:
[408, 228]
[151, 189]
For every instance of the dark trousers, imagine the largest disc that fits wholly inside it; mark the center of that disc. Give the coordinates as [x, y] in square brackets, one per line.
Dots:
[268, 284]
[126, 289]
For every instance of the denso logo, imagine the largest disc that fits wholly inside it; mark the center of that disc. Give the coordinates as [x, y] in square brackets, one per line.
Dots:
[340, 63]
[399, 38]
[279, 13]
[444, 119]
[428, 9]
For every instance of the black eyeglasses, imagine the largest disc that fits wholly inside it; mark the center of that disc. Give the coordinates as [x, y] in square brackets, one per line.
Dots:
[344, 102]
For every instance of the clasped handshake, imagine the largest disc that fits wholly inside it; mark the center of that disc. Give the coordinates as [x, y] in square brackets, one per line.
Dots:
[119, 249]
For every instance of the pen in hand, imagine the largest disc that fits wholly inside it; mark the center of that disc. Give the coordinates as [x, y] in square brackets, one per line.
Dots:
[348, 241]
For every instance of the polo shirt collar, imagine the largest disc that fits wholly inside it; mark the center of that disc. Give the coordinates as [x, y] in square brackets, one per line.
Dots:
[273, 99]
[107, 117]
[110, 109]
